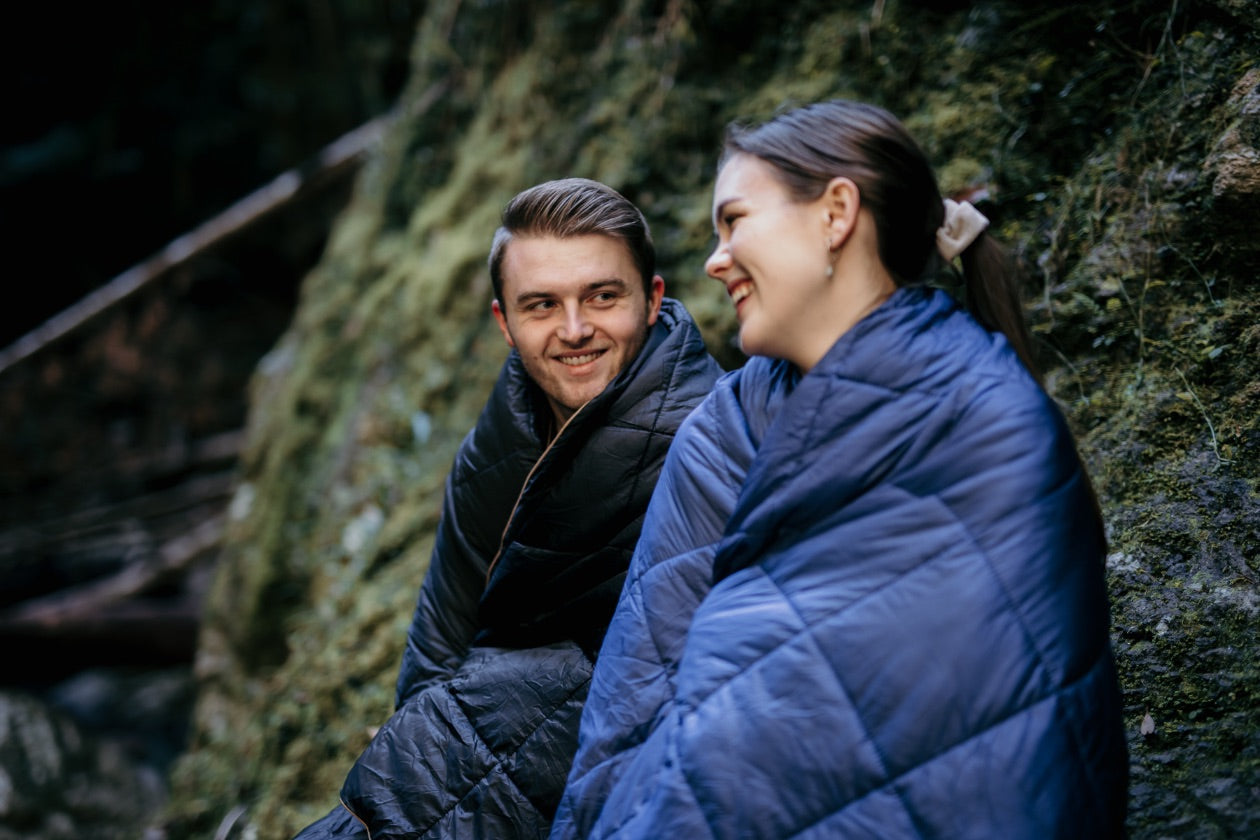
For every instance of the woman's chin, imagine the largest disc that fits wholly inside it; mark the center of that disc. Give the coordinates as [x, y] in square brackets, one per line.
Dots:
[751, 345]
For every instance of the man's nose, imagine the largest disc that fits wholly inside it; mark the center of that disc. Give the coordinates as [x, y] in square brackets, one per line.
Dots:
[576, 326]
[718, 262]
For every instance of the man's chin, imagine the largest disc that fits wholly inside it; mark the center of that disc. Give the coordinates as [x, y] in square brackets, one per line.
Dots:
[574, 398]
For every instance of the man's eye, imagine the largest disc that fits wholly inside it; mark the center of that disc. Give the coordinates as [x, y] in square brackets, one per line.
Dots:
[605, 297]
[541, 305]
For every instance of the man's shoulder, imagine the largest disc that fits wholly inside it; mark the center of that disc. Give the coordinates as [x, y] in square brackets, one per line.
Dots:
[504, 430]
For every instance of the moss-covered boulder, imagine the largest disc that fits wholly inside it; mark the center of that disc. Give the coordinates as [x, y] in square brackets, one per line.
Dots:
[1115, 147]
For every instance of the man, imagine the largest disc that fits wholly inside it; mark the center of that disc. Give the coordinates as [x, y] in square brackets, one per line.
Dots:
[542, 512]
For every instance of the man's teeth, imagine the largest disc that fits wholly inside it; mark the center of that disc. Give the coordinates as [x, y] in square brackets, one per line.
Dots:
[574, 361]
[740, 293]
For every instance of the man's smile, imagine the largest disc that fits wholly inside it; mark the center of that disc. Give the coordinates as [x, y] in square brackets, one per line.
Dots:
[575, 360]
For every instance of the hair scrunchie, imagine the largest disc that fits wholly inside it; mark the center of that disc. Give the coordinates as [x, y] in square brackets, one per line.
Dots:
[963, 223]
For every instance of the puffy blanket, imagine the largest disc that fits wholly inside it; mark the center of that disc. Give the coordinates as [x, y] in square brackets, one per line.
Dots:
[867, 602]
[530, 556]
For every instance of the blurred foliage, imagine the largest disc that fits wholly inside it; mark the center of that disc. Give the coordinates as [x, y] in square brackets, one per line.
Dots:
[1097, 136]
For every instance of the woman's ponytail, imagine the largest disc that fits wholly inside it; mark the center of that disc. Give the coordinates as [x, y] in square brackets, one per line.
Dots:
[993, 295]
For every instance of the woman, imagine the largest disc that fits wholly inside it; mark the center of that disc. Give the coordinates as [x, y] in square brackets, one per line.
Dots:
[869, 598]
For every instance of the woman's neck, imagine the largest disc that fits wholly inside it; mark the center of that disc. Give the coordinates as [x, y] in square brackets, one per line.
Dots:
[860, 285]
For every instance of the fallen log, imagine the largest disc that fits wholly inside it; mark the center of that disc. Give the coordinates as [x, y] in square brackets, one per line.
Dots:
[113, 605]
[214, 489]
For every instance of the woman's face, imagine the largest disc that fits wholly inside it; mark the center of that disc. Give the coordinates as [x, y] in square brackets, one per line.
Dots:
[772, 256]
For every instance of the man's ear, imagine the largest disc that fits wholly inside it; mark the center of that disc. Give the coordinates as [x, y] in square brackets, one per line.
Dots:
[501, 320]
[841, 201]
[654, 299]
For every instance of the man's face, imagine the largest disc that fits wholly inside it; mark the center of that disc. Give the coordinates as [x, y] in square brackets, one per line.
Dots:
[576, 311]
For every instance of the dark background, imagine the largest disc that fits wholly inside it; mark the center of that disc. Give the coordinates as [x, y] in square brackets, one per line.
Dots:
[127, 124]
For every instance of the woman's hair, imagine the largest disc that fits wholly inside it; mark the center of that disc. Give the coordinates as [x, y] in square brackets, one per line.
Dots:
[573, 207]
[810, 145]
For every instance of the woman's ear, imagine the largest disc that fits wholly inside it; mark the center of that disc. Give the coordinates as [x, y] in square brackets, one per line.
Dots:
[841, 201]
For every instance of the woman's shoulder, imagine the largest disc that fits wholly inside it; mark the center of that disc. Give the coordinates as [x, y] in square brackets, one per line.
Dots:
[745, 400]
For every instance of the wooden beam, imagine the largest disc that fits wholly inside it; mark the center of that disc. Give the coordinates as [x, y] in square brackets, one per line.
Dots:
[339, 157]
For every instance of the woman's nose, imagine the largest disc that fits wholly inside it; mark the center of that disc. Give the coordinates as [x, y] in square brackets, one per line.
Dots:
[718, 262]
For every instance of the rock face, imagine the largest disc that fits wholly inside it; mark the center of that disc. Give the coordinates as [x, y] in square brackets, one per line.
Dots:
[1110, 140]
[58, 783]
[1234, 164]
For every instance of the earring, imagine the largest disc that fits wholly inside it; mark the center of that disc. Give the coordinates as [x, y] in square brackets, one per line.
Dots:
[830, 268]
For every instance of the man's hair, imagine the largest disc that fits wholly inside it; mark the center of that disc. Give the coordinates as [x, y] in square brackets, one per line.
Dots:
[573, 207]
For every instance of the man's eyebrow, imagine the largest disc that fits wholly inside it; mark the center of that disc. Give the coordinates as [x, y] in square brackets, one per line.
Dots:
[593, 286]
[596, 285]
[527, 297]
